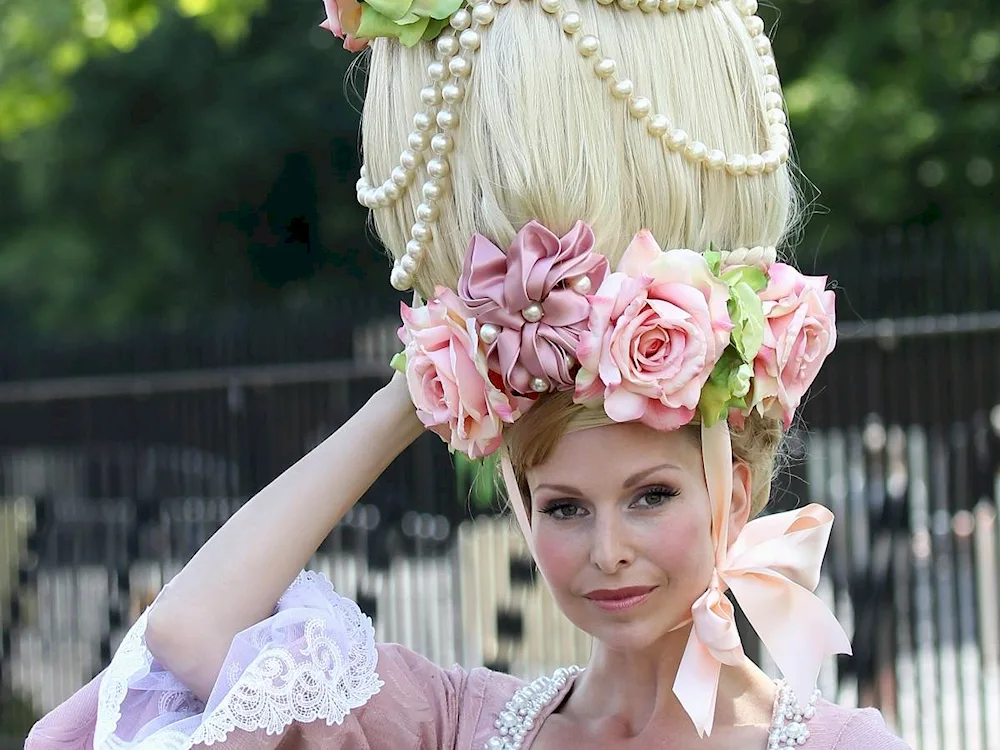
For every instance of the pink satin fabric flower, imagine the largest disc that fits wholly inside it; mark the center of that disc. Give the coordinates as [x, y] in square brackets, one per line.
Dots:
[800, 334]
[657, 327]
[448, 379]
[342, 20]
[540, 273]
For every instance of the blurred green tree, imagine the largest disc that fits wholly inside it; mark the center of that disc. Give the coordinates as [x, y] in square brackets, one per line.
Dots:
[162, 158]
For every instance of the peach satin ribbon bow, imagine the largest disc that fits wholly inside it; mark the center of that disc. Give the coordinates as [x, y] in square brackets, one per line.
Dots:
[772, 569]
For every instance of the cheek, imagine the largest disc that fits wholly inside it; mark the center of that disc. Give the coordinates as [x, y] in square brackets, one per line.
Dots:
[680, 544]
[557, 553]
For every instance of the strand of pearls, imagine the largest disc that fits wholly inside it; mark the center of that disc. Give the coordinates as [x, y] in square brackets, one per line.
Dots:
[788, 725]
[651, 6]
[761, 256]
[519, 715]
[659, 126]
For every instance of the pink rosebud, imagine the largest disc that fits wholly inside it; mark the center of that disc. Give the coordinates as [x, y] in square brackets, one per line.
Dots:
[448, 379]
[342, 20]
[800, 333]
[657, 328]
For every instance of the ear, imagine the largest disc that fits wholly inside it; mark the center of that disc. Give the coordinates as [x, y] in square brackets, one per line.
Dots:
[739, 511]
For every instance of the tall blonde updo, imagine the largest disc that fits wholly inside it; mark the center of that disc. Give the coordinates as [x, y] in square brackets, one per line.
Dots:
[540, 137]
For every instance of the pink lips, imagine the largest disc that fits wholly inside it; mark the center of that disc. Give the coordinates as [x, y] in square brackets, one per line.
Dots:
[616, 600]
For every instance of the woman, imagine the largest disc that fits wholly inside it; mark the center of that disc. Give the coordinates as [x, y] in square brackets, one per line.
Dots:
[527, 164]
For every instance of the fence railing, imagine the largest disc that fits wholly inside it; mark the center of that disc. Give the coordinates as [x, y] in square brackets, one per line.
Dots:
[127, 476]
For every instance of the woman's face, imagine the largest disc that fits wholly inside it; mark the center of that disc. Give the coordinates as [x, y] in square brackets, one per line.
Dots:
[621, 523]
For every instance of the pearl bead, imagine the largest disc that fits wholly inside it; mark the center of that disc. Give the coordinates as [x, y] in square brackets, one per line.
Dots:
[762, 44]
[649, 6]
[769, 65]
[588, 45]
[461, 20]
[606, 2]
[436, 71]
[484, 13]
[438, 167]
[539, 385]
[442, 144]
[571, 22]
[746, 7]
[551, 6]
[432, 190]
[469, 40]
[581, 285]
[418, 141]
[605, 67]
[421, 232]
[754, 25]
[427, 212]
[658, 125]
[401, 177]
[628, 4]
[755, 164]
[771, 83]
[380, 198]
[400, 279]
[639, 107]
[777, 131]
[392, 191]
[488, 333]
[736, 164]
[452, 93]
[364, 171]
[459, 67]
[447, 120]
[687, 4]
[422, 121]
[622, 89]
[771, 160]
[772, 100]
[410, 159]
[776, 117]
[696, 151]
[532, 313]
[415, 249]
[668, 6]
[408, 264]
[447, 46]
[676, 139]
[715, 159]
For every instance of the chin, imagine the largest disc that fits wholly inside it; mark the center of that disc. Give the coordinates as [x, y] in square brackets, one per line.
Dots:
[623, 632]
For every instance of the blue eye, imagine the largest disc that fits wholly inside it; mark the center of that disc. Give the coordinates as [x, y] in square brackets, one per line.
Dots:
[654, 497]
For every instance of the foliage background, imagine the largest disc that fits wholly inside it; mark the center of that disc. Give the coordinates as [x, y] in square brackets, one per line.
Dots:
[166, 159]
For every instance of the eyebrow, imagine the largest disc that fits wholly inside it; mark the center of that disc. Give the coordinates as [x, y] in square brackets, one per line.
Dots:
[632, 481]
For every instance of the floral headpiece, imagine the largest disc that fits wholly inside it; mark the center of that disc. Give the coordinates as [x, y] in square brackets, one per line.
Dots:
[671, 335]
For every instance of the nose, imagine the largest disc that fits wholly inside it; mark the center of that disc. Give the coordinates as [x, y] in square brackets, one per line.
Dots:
[611, 548]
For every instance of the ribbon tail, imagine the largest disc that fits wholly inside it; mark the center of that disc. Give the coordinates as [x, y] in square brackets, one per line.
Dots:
[795, 626]
[516, 502]
[697, 684]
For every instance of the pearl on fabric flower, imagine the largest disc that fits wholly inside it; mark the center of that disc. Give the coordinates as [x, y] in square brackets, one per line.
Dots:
[488, 333]
[533, 313]
[581, 285]
[539, 385]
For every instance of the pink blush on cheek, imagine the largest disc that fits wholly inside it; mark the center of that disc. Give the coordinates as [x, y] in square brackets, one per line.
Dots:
[559, 556]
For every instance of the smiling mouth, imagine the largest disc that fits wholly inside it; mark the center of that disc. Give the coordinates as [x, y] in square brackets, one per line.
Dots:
[617, 600]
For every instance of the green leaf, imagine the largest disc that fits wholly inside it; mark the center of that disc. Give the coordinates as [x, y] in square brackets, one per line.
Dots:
[374, 24]
[751, 275]
[398, 362]
[714, 260]
[747, 313]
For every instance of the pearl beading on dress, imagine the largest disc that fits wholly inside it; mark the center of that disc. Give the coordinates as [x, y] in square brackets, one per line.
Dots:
[447, 89]
[788, 723]
[518, 716]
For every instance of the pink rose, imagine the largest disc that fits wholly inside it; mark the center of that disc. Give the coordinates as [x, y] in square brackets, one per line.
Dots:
[448, 379]
[657, 327]
[342, 20]
[800, 333]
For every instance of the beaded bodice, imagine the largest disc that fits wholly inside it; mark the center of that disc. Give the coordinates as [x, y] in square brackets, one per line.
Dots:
[788, 723]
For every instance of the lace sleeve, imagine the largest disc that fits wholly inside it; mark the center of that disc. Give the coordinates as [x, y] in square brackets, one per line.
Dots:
[313, 660]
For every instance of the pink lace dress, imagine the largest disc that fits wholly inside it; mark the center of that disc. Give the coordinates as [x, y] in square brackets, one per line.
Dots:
[311, 677]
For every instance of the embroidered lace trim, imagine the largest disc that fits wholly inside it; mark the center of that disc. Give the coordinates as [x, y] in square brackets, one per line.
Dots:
[279, 687]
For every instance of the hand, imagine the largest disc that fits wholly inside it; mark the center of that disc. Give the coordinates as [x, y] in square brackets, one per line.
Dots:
[396, 394]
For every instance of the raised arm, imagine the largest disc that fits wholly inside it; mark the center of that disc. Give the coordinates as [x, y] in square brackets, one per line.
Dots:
[235, 580]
